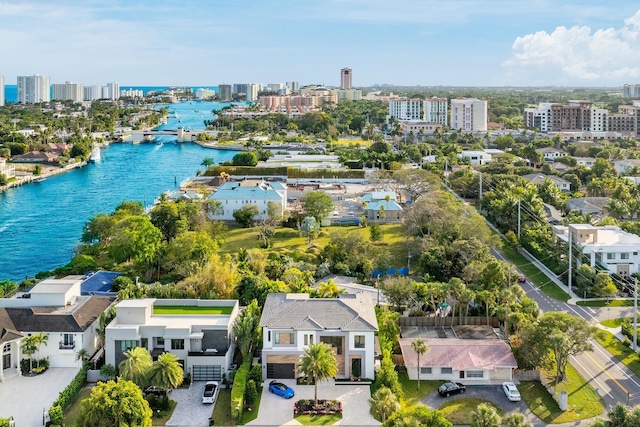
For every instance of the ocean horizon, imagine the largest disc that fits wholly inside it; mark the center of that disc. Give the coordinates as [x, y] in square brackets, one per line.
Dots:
[11, 91]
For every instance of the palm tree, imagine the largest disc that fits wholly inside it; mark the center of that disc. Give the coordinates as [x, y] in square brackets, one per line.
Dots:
[136, 366]
[108, 371]
[29, 347]
[419, 347]
[516, 420]
[40, 339]
[82, 355]
[208, 161]
[485, 416]
[166, 372]
[318, 363]
[383, 403]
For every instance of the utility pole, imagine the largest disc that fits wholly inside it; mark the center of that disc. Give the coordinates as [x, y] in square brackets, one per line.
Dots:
[570, 251]
[518, 220]
[635, 314]
[480, 175]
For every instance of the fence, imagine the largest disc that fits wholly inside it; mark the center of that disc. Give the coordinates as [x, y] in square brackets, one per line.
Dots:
[437, 321]
[527, 375]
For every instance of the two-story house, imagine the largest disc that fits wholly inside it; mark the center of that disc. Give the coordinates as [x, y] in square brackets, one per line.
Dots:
[539, 178]
[57, 308]
[198, 332]
[607, 247]
[551, 153]
[236, 195]
[290, 322]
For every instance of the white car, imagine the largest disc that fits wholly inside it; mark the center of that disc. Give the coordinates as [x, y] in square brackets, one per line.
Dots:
[211, 390]
[511, 391]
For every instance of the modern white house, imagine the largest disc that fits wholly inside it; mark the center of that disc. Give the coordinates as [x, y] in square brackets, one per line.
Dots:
[539, 178]
[9, 171]
[607, 247]
[468, 361]
[238, 194]
[198, 332]
[57, 308]
[479, 157]
[551, 153]
[290, 322]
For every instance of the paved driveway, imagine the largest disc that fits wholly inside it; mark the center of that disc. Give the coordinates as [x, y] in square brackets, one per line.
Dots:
[190, 411]
[275, 410]
[25, 398]
[492, 393]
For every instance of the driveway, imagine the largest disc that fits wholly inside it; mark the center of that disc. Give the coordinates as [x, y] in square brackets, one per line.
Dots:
[276, 411]
[26, 398]
[190, 411]
[492, 393]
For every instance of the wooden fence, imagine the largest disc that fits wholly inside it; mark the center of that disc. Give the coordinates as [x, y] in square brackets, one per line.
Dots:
[446, 322]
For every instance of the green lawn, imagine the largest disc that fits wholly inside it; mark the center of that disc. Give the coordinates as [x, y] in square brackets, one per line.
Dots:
[603, 303]
[160, 421]
[73, 412]
[222, 410]
[620, 351]
[318, 420]
[253, 414]
[458, 411]
[534, 274]
[180, 309]
[289, 241]
[412, 395]
[612, 323]
[583, 402]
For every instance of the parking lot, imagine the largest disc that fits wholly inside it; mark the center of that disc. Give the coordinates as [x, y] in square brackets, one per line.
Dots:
[190, 411]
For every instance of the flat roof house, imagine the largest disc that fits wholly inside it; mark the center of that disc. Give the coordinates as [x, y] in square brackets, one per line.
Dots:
[198, 332]
[290, 322]
[236, 195]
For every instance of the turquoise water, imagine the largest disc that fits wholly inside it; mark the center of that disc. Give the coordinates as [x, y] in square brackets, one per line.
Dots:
[41, 224]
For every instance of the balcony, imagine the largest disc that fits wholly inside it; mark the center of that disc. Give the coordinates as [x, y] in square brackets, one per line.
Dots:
[66, 346]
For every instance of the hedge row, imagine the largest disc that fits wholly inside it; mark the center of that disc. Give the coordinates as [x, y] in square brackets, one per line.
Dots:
[324, 173]
[289, 172]
[68, 395]
[245, 170]
[237, 392]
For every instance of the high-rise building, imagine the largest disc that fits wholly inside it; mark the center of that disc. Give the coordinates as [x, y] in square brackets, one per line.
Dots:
[224, 92]
[68, 91]
[631, 91]
[33, 89]
[469, 114]
[1, 91]
[294, 87]
[572, 116]
[239, 88]
[92, 93]
[436, 111]
[113, 91]
[252, 92]
[345, 78]
[406, 108]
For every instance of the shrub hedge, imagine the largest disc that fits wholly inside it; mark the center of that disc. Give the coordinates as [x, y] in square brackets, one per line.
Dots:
[289, 172]
[69, 394]
[238, 390]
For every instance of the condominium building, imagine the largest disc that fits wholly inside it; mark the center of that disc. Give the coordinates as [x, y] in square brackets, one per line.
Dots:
[1, 91]
[67, 91]
[240, 88]
[406, 108]
[436, 111]
[469, 114]
[293, 86]
[252, 92]
[33, 89]
[572, 116]
[113, 90]
[345, 78]
[631, 91]
[350, 94]
[224, 92]
[92, 93]
[205, 93]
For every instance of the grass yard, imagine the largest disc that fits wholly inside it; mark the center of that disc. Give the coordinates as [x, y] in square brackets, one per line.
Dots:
[534, 274]
[458, 411]
[72, 413]
[412, 395]
[612, 323]
[180, 309]
[583, 401]
[347, 142]
[318, 420]
[604, 303]
[222, 409]
[160, 421]
[620, 351]
[250, 416]
[289, 241]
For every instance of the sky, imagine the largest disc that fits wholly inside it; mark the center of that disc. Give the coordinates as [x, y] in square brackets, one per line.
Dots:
[400, 42]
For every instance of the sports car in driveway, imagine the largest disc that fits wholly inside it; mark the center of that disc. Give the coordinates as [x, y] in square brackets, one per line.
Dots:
[211, 390]
[449, 388]
[281, 389]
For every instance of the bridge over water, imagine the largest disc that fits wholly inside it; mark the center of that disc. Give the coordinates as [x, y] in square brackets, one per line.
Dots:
[181, 134]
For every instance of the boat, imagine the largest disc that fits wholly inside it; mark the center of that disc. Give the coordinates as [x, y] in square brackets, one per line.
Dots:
[95, 154]
[39, 179]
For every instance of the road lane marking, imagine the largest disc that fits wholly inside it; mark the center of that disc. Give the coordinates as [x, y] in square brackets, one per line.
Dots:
[600, 386]
[629, 377]
[607, 373]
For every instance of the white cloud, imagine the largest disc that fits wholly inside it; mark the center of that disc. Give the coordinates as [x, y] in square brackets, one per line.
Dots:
[578, 55]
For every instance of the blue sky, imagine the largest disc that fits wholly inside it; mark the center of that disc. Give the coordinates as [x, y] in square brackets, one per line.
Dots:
[402, 42]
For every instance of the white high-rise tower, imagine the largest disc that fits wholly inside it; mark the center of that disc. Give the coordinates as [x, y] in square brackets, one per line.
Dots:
[33, 89]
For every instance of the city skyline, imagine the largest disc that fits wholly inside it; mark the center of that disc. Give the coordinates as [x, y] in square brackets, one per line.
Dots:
[428, 43]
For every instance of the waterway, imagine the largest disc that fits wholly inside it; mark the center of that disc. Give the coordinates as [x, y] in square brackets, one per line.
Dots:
[41, 223]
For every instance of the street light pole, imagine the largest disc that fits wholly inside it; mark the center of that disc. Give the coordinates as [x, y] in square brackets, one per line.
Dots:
[635, 314]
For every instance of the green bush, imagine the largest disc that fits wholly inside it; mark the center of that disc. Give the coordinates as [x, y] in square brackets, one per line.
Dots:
[238, 390]
[4, 422]
[255, 374]
[70, 393]
[250, 393]
[56, 415]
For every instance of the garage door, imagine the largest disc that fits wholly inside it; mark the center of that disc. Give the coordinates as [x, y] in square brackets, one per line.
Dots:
[281, 370]
[207, 373]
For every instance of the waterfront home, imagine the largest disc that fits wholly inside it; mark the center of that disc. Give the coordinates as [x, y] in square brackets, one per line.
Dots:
[198, 332]
[36, 157]
[290, 322]
[57, 308]
[9, 171]
[236, 195]
[468, 361]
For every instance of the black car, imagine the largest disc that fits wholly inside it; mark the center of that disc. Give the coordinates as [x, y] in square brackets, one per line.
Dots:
[449, 388]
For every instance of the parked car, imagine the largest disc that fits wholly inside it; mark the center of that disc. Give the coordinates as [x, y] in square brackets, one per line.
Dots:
[157, 391]
[449, 388]
[511, 391]
[522, 279]
[210, 393]
[281, 389]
